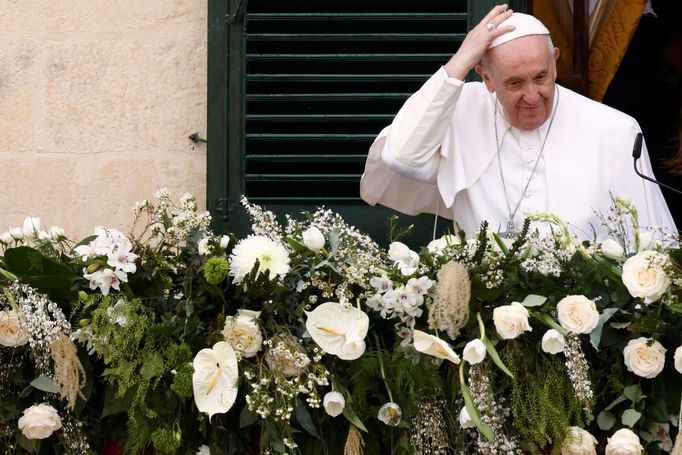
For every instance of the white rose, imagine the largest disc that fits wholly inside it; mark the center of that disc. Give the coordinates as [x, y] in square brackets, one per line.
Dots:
[39, 421]
[612, 249]
[464, 419]
[6, 238]
[577, 314]
[16, 233]
[645, 239]
[224, 241]
[474, 352]
[511, 320]
[203, 247]
[644, 357]
[553, 342]
[333, 403]
[623, 442]
[644, 277]
[12, 332]
[678, 359]
[578, 442]
[243, 333]
[313, 239]
[390, 414]
[31, 226]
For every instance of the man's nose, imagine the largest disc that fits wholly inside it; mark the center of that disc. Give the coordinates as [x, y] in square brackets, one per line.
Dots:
[531, 94]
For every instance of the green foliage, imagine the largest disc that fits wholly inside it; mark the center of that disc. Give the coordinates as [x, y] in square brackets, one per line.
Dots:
[543, 402]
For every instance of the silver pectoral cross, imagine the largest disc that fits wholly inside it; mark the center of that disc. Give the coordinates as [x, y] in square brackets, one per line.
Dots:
[510, 233]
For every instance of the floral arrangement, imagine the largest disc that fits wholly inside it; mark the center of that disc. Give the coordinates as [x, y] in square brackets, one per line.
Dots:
[309, 337]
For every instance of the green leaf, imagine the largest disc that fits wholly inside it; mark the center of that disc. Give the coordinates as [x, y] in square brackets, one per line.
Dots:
[633, 393]
[48, 276]
[630, 417]
[606, 420]
[533, 300]
[304, 418]
[548, 321]
[616, 402]
[114, 404]
[247, 417]
[492, 352]
[595, 335]
[45, 384]
[475, 416]
[353, 418]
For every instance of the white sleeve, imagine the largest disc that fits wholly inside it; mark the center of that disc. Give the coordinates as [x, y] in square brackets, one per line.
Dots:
[413, 145]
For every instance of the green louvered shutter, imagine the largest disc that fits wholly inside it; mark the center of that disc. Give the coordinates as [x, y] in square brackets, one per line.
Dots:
[321, 79]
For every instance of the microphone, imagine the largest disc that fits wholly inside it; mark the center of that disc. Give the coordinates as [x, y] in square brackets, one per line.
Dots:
[636, 154]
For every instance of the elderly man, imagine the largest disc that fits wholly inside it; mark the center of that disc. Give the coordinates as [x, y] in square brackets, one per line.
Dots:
[514, 144]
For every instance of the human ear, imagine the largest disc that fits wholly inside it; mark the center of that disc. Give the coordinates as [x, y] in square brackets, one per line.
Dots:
[480, 69]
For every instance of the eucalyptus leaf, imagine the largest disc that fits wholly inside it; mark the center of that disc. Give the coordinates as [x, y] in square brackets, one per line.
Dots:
[633, 393]
[616, 402]
[533, 300]
[595, 335]
[630, 417]
[606, 420]
[46, 384]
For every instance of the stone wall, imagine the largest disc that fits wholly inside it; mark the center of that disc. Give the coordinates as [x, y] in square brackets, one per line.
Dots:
[97, 98]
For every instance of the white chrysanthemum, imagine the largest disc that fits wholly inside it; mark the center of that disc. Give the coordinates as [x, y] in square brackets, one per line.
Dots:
[271, 256]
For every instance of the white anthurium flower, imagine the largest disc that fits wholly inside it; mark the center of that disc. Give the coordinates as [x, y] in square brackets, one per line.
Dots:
[334, 403]
[474, 352]
[553, 342]
[431, 345]
[339, 330]
[313, 239]
[612, 249]
[464, 419]
[31, 226]
[215, 379]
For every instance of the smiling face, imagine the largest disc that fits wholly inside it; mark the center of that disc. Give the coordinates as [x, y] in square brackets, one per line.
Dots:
[522, 73]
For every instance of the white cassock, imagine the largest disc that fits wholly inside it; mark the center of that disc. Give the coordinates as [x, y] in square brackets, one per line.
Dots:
[439, 156]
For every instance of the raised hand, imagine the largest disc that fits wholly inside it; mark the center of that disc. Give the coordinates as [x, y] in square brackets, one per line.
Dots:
[477, 41]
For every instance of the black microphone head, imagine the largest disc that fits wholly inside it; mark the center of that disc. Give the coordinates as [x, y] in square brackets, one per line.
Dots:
[637, 147]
